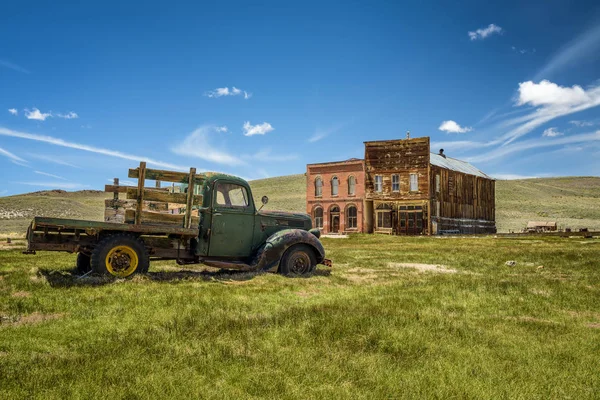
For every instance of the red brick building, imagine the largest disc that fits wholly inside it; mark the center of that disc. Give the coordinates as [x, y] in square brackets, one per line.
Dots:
[335, 193]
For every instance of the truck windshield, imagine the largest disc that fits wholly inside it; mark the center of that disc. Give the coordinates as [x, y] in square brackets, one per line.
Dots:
[231, 195]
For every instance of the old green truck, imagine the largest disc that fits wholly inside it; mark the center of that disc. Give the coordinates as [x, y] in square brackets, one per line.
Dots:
[218, 225]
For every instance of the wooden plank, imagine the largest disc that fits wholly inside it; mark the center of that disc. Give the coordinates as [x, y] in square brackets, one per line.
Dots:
[116, 194]
[190, 198]
[166, 197]
[123, 189]
[149, 217]
[140, 193]
[166, 176]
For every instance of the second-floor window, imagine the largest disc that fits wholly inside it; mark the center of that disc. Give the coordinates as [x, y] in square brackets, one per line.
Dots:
[414, 182]
[351, 186]
[437, 183]
[378, 183]
[318, 187]
[396, 183]
[335, 183]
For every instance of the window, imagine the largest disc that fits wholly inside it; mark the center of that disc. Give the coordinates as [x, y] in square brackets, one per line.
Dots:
[231, 195]
[335, 183]
[414, 183]
[319, 217]
[351, 186]
[318, 187]
[351, 218]
[378, 183]
[384, 216]
[395, 183]
[437, 183]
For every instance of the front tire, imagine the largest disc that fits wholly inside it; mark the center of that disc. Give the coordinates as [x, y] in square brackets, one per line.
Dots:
[298, 260]
[120, 255]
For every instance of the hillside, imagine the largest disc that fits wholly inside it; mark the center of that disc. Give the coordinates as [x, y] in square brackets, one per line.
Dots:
[573, 202]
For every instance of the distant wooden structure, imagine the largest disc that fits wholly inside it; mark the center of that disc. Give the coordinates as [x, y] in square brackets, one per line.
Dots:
[541, 226]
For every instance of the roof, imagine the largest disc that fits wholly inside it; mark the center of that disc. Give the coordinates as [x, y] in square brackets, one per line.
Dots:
[348, 161]
[456, 165]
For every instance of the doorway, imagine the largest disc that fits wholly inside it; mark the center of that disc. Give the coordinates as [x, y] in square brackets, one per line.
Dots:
[410, 220]
[334, 219]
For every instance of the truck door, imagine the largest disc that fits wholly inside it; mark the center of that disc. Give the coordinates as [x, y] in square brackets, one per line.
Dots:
[232, 224]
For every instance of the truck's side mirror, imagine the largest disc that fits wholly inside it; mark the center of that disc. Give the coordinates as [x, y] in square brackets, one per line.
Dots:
[264, 200]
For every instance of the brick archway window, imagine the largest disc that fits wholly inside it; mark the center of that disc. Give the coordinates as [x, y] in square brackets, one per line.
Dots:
[318, 187]
[335, 184]
[351, 217]
[319, 217]
[351, 186]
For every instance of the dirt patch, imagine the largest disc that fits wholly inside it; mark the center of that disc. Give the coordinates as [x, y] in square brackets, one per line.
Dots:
[21, 294]
[424, 267]
[34, 318]
[594, 325]
[307, 293]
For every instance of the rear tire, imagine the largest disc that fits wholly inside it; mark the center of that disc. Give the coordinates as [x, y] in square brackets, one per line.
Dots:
[83, 263]
[120, 255]
[298, 260]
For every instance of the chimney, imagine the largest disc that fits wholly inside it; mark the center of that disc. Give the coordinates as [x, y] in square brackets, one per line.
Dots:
[407, 134]
[442, 153]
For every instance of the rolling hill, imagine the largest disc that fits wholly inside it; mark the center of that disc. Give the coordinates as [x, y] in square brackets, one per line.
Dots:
[572, 201]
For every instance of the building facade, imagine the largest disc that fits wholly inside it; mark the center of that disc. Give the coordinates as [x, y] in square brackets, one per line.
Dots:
[402, 188]
[335, 195]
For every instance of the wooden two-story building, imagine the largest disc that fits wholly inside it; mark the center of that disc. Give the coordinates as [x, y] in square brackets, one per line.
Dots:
[406, 190]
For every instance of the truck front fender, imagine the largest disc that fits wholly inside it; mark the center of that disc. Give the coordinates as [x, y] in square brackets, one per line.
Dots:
[269, 255]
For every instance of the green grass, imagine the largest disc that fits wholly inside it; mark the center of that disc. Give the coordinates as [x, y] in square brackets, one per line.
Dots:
[367, 329]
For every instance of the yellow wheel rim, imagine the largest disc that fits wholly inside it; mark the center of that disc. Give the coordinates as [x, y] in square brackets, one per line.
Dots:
[121, 261]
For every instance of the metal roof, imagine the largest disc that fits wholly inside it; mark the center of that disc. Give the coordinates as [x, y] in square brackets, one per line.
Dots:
[456, 165]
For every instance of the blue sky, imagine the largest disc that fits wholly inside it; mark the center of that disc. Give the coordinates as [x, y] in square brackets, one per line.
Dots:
[88, 89]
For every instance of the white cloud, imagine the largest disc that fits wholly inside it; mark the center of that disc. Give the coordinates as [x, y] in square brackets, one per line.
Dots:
[12, 66]
[552, 132]
[573, 53]
[266, 154]
[452, 127]
[52, 159]
[198, 144]
[37, 114]
[482, 33]
[221, 129]
[553, 101]
[50, 175]
[259, 129]
[323, 133]
[70, 115]
[54, 185]
[12, 156]
[84, 147]
[581, 124]
[13, 111]
[225, 91]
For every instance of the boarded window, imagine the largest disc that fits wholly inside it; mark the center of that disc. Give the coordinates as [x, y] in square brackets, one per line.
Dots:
[318, 217]
[414, 182]
[318, 187]
[437, 183]
[351, 218]
[378, 183]
[335, 183]
[351, 186]
[396, 183]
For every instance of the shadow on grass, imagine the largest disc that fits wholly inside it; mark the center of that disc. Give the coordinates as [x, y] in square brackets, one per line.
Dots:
[70, 278]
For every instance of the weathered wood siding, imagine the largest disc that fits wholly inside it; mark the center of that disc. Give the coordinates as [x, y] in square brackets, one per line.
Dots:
[401, 157]
[464, 202]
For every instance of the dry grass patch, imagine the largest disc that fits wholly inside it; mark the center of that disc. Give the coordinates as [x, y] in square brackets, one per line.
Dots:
[442, 269]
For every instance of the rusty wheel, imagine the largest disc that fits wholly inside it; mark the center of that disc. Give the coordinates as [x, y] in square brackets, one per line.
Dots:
[298, 260]
[120, 255]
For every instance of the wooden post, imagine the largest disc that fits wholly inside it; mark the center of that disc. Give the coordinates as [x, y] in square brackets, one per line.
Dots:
[116, 194]
[140, 193]
[158, 184]
[190, 197]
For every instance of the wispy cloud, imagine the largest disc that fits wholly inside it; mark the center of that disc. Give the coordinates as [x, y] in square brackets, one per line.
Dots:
[259, 129]
[552, 132]
[511, 177]
[506, 150]
[69, 115]
[452, 127]
[51, 159]
[523, 51]
[483, 33]
[50, 175]
[582, 124]
[573, 53]
[54, 185]
[84, 147]
[10, 155]
[225, 91]
[199, 144]
[14, 67]
[123, 182]
[267, 154]
[553, 101]
[37, 114]
[13, 111]
[322, 133]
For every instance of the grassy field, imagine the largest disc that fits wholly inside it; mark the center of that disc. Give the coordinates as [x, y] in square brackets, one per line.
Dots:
[572, 202]
[372, 327]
